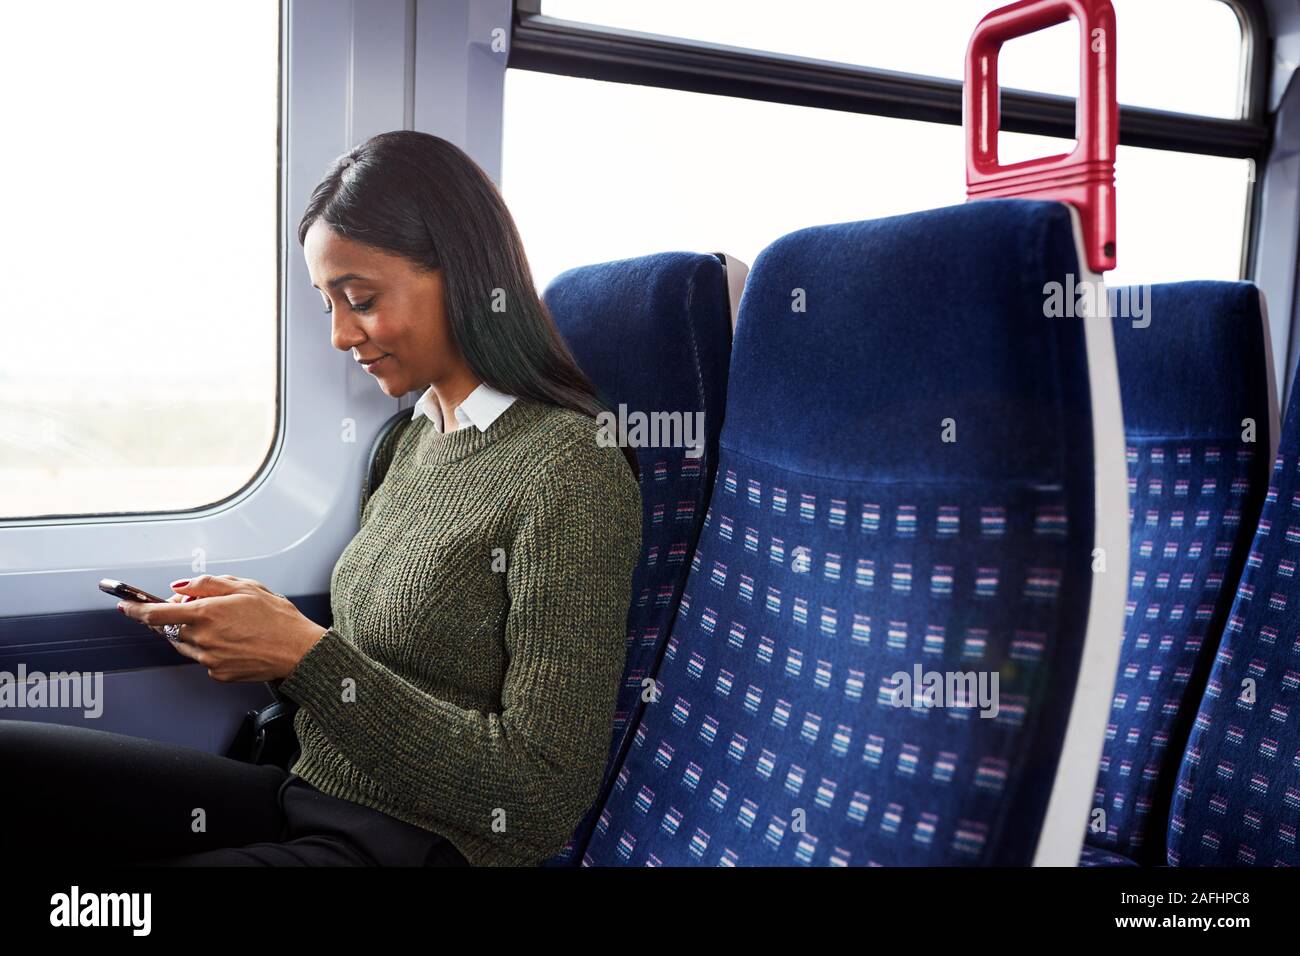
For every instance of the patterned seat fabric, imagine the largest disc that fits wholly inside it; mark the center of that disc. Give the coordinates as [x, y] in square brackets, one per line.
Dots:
[1194, 384]
[1237, 801]
[849, 545]
[654, 335]
[1093, 857]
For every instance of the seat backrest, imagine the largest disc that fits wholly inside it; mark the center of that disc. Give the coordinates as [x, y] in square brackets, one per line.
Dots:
[1237, 798]
[654, 335]
[1198, 418]
[912, 482]
[382, 448]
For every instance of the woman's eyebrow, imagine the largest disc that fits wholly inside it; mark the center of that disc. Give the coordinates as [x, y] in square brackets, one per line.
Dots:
[337, 280]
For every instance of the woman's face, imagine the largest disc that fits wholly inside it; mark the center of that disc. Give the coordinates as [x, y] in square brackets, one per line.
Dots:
[383, 305]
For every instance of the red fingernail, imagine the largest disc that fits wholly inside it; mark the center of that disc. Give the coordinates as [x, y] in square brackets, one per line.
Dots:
[180, 584]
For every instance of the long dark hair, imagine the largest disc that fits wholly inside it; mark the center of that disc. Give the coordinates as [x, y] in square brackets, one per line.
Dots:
[423, 198]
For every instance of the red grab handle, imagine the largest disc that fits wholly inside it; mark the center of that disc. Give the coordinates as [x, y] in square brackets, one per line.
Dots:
[1085, 178]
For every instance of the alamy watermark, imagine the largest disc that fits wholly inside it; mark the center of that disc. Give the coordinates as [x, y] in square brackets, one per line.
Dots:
[57, 689]
[961, 689]
[652, 430]
[133, 911]
[1079, 298]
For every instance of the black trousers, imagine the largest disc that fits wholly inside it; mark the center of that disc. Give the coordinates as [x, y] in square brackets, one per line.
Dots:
[71, 793]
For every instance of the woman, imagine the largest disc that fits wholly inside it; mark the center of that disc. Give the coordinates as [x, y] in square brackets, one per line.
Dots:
[461, 705]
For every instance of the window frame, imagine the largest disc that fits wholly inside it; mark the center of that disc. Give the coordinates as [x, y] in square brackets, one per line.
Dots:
[569, 48]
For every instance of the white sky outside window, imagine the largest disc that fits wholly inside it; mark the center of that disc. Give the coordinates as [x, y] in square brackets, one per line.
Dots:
[138, 258]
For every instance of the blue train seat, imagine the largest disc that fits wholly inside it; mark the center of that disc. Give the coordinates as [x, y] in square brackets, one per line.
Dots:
[1199, 415]
[918, 473]
[1237, 797]
[653, 334]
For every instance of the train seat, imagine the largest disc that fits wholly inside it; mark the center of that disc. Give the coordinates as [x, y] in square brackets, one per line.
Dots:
[1237, 797]
[892, 602]
[654, 335]
[1199, 416]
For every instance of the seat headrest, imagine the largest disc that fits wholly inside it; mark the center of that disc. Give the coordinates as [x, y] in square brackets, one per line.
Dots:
[1192, 358]
[653, 332]
[907, 322]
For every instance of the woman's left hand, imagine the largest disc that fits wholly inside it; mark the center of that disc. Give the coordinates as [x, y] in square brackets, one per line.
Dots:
[238, 628]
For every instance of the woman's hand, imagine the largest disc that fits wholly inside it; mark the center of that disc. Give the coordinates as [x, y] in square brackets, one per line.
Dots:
[238, 628]
[174, 599]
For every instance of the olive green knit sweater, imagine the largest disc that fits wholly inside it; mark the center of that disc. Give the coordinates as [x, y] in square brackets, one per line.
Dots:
[467, 685]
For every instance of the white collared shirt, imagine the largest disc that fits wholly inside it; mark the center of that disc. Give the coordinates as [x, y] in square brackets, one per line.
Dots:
[480, 408]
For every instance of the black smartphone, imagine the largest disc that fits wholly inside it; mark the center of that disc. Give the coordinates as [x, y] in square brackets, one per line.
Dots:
[128, 592]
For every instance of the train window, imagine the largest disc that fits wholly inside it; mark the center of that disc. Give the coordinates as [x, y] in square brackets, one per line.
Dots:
[139, 255]
[669, 169]
[1181, 55]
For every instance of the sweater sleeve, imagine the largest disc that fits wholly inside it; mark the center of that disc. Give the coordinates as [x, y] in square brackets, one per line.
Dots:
[531, 770]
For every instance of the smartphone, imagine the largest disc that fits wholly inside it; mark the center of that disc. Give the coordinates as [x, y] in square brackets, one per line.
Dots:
[128, 592]
[131, 593]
